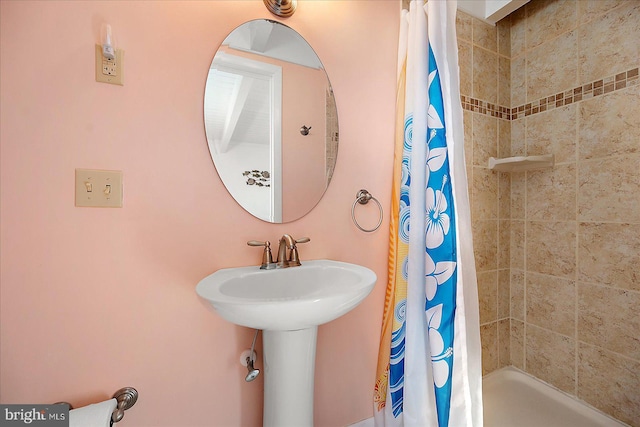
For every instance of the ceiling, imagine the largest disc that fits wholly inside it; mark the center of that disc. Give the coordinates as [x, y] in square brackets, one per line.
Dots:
[490, 11]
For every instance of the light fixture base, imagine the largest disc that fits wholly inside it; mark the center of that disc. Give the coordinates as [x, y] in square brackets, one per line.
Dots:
[282, 8]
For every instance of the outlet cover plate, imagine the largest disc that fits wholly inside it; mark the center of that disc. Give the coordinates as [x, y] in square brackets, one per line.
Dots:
[109, 71]
[98, 188]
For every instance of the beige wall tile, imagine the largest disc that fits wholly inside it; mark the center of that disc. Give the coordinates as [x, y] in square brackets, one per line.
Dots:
[504, 343]
[517, 344]
[517, 294]
[608, 318]
[518, 32]
[592, 9]
[609, 44]
[464, 26]
[517, 246]
[504, 36]
[608, 189]
[504, 293]
[518, 81]
[504, 138]
[551, 357]
[488, 296]
[553, 132]
[518, 138]
[551, 248]
[551, 303]
[504, 195]
[485, 74]
[610, 124]
[485, 35]
[551, 193]
[545, 77]
[489, 343]
[504, 81]
[609, 382]
[547, 19]
[485, 238]
[518, 242]
[609, 254]
[466, 67]
[518, 195]
[485, 139]
[467, 117]
[485, 193]
[504, 243]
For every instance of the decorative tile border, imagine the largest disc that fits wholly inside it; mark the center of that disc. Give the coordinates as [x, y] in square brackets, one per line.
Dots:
[580, 93]
[483, 107]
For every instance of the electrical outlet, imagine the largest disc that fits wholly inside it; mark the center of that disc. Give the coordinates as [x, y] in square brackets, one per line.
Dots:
[109, 70]
[109, 67]
[98, 188]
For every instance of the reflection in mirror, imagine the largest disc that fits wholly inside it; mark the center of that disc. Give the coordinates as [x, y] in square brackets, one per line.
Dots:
[271, 121]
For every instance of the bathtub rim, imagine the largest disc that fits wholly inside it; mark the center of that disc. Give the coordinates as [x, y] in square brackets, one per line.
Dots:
[512, 372]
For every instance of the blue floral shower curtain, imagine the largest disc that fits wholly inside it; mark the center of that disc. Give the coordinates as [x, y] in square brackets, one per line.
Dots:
[429, 370]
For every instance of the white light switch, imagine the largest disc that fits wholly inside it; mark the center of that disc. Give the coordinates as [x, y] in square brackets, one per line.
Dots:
[98, 188]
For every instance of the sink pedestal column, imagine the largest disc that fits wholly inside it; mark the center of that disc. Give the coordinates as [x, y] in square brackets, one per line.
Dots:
[289, 365]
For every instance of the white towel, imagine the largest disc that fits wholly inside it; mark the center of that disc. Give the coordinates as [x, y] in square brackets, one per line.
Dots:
[95, 415]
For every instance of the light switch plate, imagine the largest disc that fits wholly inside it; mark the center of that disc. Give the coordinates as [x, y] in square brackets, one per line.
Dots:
[98, 188]
[109, 71]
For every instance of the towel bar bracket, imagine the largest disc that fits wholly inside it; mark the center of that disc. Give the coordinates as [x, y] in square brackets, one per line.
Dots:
[126, 398]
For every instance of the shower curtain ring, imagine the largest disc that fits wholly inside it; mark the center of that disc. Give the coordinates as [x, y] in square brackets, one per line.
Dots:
[363, 197]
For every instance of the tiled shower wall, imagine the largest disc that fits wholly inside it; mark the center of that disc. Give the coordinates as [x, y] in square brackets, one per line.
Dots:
[558, 250]
[484, 58]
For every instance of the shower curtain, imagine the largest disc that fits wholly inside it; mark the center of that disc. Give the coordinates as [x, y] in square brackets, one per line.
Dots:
[429, 364]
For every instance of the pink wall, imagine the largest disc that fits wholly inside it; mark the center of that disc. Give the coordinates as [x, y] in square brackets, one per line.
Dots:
[96, 299]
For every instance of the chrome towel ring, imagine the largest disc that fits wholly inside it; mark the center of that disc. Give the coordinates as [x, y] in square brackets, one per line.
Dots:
[363, 197]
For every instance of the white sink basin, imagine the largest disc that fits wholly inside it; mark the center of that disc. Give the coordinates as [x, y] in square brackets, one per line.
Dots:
[287, 299]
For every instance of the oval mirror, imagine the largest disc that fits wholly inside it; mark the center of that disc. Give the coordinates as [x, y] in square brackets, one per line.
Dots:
[271, 121]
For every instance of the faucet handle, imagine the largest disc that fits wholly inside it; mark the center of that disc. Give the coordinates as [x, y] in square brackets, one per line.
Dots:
[267, 258]
[294, 260]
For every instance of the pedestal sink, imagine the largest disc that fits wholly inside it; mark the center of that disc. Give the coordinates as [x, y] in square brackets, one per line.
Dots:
[288, 305]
